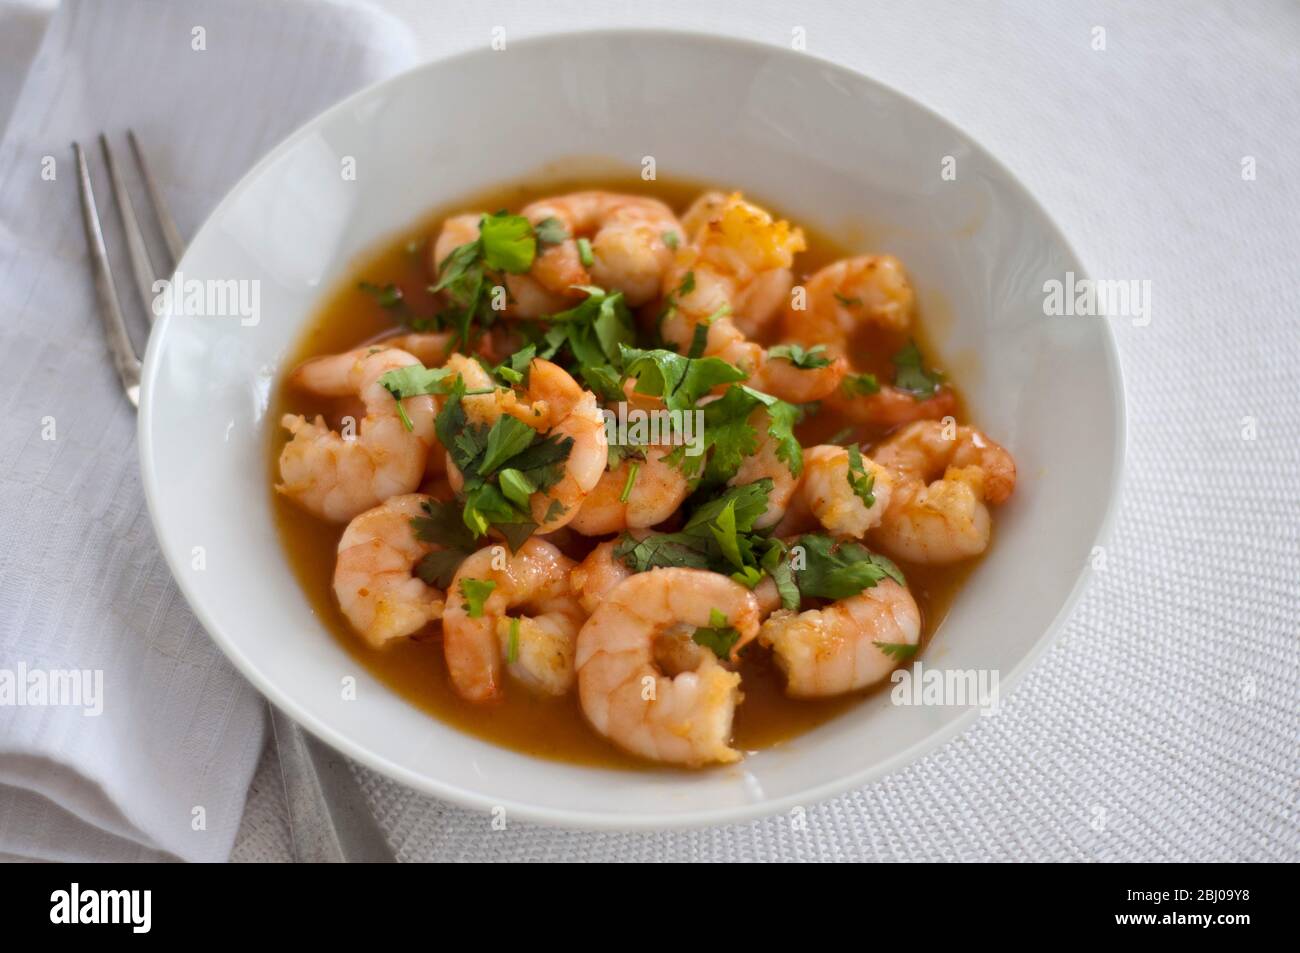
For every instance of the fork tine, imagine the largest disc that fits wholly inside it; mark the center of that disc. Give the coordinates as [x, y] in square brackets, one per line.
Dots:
[137, 250]
[171, 235]
[119, 342]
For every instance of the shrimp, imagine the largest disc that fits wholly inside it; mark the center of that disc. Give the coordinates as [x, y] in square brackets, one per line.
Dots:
[627, 498]
[937, 512]
[738, 257]
[833, 499]
[766, 462]
[431, 348]
[551, 403]
[848, 294]
[536, 645]
[335, 476]
[374, 577]
[892, 407]
[644, 684]
[456, 230]
[840, 648]
[735, 274]
[596, 576]
[629, 248]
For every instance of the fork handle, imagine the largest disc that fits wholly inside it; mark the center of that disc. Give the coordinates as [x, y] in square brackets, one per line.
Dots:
[328, 815]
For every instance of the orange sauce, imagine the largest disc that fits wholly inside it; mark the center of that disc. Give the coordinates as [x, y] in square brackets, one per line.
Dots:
[415, 668]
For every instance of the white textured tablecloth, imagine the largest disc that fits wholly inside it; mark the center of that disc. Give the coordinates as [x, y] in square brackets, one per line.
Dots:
[1165, 724]
[162, 771]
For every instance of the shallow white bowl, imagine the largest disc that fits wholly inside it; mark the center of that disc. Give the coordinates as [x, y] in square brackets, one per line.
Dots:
[831, 148]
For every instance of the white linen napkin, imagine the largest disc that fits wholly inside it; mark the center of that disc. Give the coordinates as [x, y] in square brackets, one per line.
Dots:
[162, 770]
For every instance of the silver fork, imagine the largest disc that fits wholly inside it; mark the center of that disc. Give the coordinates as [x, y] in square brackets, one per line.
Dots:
[328, 816]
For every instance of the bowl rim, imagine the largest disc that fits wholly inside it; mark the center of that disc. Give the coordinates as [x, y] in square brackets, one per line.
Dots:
[585, 819]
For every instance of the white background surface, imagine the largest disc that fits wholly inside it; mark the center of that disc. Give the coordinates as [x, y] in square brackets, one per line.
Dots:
[1164, 724]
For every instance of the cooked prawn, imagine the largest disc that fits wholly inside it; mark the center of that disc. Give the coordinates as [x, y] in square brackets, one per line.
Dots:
[947, 474]
[644, 684]
[766, 462]
[850, 293]
[551, 403]
[335, 476]
[838, 648]
[374, 578]
[827, 489]
[537, 644]
[597, 575]
[892, 407]
[627, 498]
[629, 240]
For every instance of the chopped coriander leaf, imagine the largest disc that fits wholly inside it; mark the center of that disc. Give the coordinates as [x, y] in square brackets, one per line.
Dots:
[729, 437]
[670, 239]
[718, 536]
[554, 511]
[550, 231]
[910, 374]
[838, 570]
[512, 650]
[405, 417]
[476, 592]
[594, 331]
[898, 650]
[584, 253]
[840, 437]
[807, 360]
[860, 385]
[847, 301]
[516, 487]
[389, 296]
[631, 480]
[443, 528]
[508, 242]
[415, 380]
[718, 636]
[860, 481]
[699, 340]
[687, 285]
[508, 437]
[680, 381]
[776, 563]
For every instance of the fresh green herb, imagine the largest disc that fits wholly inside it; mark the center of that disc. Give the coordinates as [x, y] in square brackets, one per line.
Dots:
[898, 650]
[508, 243]
[476, 592]
[593, 333]
[670, 239]
[508, 437]
[687, 285]
[550, 231]
[415, 380]
[910, 374]
[631, 479]
[584, 253]
[699, 341]
[840, 437]
[729, 437]
[718, 636]
[442, 526]
[516, 487]
[860, 385]
[860, 481]
[680, 381]
[776, 563]
[512, 651]
[719, 535]
[846, 301]
[806, 360]
[830, 569]
[502, 465]
[388, 297]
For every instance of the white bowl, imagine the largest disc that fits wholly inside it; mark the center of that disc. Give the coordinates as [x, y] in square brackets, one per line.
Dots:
[834, 150]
